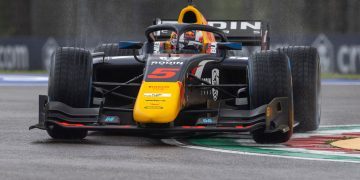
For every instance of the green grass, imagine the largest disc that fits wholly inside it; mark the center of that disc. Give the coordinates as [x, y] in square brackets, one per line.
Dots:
[339, 76]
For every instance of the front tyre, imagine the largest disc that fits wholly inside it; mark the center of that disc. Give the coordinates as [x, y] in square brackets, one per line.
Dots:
[70, 83]
[57, 132]
[269, 78]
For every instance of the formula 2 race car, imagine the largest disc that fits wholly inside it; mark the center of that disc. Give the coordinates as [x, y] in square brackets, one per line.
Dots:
[184, 80]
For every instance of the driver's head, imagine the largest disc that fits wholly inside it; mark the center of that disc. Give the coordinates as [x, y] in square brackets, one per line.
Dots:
[191, 40]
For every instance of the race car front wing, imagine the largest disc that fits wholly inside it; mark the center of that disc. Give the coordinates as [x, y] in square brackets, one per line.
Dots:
[272, 117]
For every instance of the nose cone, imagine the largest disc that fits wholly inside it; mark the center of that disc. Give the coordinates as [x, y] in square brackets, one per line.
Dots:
[157, 102]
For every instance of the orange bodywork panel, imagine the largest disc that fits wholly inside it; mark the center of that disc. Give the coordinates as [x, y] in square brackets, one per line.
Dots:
[161, 102]
[158, 102]
[200, 19]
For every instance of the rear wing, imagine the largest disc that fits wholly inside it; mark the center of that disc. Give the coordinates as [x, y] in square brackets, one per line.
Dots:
[249, 33]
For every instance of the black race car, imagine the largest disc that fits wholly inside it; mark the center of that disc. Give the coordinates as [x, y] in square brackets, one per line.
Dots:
[184, 79]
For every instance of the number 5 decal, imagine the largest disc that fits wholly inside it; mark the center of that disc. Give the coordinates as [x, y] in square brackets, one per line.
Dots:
[163, 73]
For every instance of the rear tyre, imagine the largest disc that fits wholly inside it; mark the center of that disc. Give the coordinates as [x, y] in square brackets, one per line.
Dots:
[112, 49]
[270, 77]
[305, 68]
[70, 83]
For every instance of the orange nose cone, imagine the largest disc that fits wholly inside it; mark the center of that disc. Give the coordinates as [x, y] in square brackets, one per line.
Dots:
[158, 102]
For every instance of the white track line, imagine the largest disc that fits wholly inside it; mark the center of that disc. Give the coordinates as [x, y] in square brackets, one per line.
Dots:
[335, 82]
[340, 84]
[22, 84]
[337, 125]
[23, 80]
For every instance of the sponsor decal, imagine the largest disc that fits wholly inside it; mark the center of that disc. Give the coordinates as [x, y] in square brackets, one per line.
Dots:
[157, 47]
[153, 100]
[110, 119]
[213, 48]
[229, 27]
[215, 80]
[166, 95]
[169, 58]
[163, 73]
[240, 58]
[154, 107]
[206, 121]
[199, 73]
[159, 88]
[167, 62]
[233, 25]
[200, 68]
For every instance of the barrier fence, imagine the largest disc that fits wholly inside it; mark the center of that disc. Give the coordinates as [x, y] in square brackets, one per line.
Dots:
[338, 53]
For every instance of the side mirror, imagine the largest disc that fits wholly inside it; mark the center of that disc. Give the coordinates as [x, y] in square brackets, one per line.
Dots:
[229, 46]
[130, 45]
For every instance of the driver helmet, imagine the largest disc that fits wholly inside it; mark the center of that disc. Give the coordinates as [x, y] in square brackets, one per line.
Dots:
[191, 40]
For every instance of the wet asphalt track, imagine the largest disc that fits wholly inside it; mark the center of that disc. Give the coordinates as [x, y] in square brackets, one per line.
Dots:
[33, 155]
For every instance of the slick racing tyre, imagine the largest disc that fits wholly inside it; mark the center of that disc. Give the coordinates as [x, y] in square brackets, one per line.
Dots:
[270, 77]
[305, 69]
[112, 49]
[70, 83]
